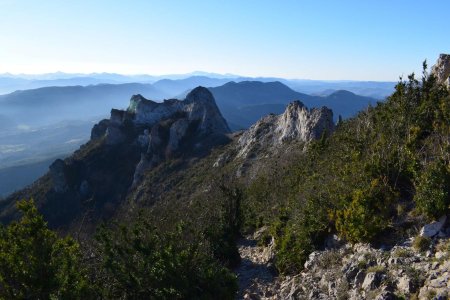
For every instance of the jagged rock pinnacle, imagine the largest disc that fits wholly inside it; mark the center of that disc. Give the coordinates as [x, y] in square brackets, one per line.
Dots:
[297, 123]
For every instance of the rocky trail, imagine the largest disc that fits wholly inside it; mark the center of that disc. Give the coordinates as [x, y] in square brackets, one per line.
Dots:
[256, 275]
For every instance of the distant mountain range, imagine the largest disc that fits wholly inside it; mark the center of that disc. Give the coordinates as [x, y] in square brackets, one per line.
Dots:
[10, 83]
[43, 106]
[243, 103]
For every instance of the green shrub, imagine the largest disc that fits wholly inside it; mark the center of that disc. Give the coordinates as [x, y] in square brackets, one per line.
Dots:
[141, 263]
[421, 243]
[223, 233]
[36, 264]
[367, 214]
[296, 238]
[433, 190]
[293, 251]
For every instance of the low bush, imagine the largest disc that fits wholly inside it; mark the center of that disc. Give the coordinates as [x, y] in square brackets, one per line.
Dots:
[367, 214]
[139, 262]
[421, 243]
[433, 190]
[36, 264]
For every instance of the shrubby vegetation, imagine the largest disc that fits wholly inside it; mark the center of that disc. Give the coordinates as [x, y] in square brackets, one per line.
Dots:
[433, 189]
[36, 264]
[138, 262]
[388, 165]
[352, 183]
[134, 261]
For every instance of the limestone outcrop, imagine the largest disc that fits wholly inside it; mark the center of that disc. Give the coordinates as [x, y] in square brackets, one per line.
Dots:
[165, 130]
[442, 69]
[297, 123]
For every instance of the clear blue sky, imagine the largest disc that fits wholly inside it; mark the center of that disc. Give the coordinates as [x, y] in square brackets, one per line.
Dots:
[339, 39]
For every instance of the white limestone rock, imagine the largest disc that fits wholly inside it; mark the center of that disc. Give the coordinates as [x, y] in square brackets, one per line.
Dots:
[442, 69]
[433, 229]
[297, 123]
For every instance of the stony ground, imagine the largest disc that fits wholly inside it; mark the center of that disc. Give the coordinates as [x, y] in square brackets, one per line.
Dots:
[256, 276]
[347, 271]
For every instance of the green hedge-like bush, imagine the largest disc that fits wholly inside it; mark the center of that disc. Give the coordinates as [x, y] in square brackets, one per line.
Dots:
[433, 190]
[367, 214]
[36, 264]
[139, 262]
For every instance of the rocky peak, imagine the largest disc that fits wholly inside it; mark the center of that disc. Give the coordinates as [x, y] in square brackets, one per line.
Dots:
[442, 69]
[297, 123]
[200, 95]
[200, 105]
[165, 130]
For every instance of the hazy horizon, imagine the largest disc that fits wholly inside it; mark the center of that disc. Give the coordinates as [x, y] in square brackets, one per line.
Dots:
[197, 73]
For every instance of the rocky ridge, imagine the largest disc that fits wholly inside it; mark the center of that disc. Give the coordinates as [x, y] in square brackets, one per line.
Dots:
[94, 181]
[160, 130]
[275, 135]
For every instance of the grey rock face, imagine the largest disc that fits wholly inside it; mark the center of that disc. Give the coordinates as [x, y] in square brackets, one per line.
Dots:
[442, 69]
[114, 135]
[372, 281]
[178, 131]
[198, 106]
[58, 176]
[433, 229]
[165, 127]
[99, 129]
[296, 123]
[84, 188]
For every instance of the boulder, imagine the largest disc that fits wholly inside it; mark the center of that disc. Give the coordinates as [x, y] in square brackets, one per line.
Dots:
[433, 229]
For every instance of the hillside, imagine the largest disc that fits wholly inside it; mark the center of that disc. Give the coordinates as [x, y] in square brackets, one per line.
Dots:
[305, 208]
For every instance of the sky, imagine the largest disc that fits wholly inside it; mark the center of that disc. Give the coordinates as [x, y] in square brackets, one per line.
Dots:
[304, 39]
